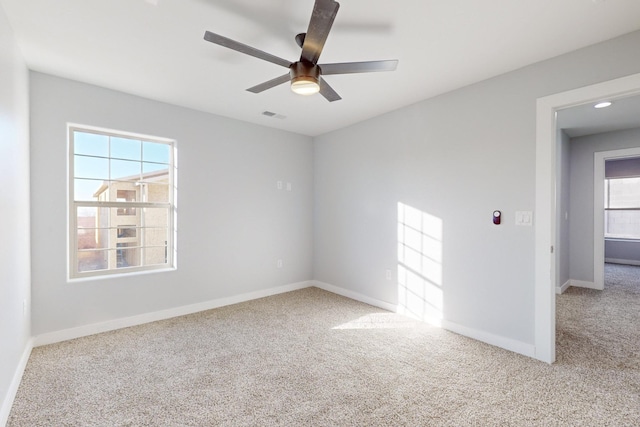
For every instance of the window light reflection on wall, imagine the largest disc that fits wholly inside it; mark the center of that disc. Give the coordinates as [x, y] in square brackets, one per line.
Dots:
[420, 257]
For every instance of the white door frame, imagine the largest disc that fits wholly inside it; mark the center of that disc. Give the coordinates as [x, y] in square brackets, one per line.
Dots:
[598, 207]
[545, 230]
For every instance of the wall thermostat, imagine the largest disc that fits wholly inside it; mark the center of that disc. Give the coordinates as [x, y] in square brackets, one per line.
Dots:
[496, 217]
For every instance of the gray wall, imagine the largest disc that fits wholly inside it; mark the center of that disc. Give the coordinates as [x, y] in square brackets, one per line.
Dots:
[14, 211]
[233, 223]
[581, 216]
[458, 157]
[622, 251]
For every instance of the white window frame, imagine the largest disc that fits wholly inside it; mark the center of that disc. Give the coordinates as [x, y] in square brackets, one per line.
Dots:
[607, 203]
[73, 205]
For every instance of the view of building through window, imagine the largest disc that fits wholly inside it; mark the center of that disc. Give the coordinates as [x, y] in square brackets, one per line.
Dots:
[122, 207]
[622, 208]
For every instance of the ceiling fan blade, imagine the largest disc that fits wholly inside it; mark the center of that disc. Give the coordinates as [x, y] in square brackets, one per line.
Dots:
[271, 83]
[243, 48]
[328, 92]
[359, 67]
[324, 13]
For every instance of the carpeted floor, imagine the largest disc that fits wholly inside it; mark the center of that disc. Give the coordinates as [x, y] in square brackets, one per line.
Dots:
[311, 358]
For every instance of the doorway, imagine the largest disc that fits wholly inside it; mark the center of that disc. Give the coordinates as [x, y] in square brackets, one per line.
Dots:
[546, 180]
[599, 232]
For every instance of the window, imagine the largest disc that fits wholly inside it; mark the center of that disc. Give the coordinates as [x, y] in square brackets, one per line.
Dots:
[622, 208]
[121, 205]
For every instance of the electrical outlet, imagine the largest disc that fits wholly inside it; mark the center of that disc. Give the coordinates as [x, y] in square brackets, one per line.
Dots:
[279, 263]
[388, 274]
[288, 186]
[279, 185]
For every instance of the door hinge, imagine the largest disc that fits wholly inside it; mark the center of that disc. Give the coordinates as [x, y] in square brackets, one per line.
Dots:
[551, 248]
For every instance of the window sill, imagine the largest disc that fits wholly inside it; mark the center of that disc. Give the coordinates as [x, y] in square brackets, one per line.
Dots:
[119, 275]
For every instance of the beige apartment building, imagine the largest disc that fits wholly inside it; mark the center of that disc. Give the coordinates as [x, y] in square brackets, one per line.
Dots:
[126, 236]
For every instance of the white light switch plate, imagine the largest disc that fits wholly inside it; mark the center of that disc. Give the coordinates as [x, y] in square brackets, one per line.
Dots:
[524, 218]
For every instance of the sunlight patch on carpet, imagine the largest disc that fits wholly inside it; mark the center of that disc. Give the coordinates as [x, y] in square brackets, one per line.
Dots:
[379, 321]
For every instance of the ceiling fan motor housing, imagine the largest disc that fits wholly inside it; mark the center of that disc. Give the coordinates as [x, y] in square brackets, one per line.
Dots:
[304, 71]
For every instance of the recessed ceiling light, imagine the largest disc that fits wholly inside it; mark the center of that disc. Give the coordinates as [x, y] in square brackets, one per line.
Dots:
[604, 104]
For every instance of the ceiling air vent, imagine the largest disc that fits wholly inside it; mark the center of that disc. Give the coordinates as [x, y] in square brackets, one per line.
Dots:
[274, 115]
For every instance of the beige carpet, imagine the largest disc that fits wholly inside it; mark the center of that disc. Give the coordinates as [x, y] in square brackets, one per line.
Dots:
[311, 358]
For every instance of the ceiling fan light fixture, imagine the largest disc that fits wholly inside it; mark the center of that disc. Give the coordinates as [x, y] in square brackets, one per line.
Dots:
[305, 85]
[305, 78]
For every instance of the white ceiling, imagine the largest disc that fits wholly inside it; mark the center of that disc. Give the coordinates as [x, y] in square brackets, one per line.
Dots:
[155, 48]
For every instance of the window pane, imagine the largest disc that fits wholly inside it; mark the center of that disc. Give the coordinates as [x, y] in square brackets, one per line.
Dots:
[154, 240]
[126, 232]
[126, 195]
[90, 144]
[103, 219]
[93, 238]
[622, 224]
[623, 192]
[91, 228]
[103, 193]
[127, 257]
[156, 192]
[156, 217]
[156, 152]
[86, 217]
[161, 169]
[84, 189]
[125, 169]
[155, 255]
[125, 148]
[155, 236]
[126, 211]
[92, 260]
[92, 233]
[91, 167]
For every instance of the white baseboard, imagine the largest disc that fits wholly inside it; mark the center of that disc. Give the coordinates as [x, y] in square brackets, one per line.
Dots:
[561, 289]
[583, 284]
[356, 296]
[96, 328]
[5, 409]
[622, 261]
[496, 340]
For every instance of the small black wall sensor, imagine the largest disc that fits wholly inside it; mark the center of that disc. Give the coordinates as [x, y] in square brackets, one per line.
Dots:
[496, 217]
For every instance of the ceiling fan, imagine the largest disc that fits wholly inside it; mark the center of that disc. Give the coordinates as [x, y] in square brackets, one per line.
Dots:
[306, 74]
